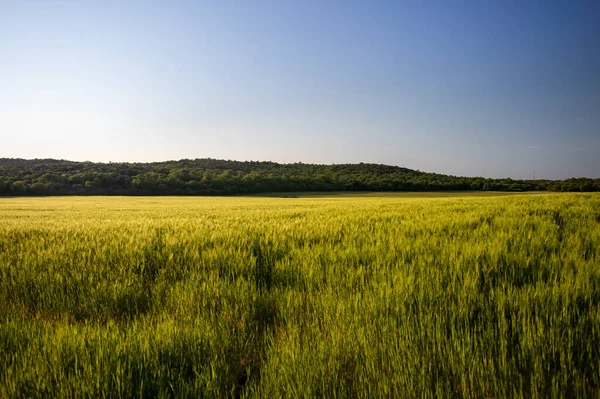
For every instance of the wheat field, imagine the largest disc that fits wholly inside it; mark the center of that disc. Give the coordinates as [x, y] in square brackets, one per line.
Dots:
[364, 296]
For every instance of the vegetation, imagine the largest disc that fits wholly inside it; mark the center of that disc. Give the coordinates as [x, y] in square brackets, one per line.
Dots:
[308, 297]
[218, 177]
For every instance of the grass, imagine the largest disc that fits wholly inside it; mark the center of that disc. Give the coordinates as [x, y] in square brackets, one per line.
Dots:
[300, 297]
[395, 194]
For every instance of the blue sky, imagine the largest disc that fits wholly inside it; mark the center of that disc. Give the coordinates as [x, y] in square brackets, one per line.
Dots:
[476, 88]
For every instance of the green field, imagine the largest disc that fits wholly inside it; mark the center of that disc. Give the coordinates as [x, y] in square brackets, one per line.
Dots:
[394, 194]
[331, 296]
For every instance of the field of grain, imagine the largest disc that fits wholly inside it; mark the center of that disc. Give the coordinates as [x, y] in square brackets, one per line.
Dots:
[300, 297]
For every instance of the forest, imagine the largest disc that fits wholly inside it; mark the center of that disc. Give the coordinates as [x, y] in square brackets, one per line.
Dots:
[38, 177]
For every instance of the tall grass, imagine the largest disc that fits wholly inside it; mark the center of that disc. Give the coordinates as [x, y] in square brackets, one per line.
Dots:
[325, 297]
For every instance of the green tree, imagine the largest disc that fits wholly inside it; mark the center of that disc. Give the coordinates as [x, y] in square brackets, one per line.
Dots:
[19, 188]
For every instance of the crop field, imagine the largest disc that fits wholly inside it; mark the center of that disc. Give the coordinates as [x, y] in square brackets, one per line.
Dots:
[330, 296]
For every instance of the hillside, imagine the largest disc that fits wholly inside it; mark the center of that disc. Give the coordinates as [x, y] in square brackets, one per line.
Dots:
[225, 177]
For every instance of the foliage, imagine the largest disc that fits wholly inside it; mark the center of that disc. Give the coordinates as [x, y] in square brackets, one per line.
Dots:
[219, 177]
[308, 297]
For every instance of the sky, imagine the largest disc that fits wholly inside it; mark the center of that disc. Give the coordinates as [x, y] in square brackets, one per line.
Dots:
[469, 88]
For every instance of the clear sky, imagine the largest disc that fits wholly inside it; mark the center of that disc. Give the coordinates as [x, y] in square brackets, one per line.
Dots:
[475, 88]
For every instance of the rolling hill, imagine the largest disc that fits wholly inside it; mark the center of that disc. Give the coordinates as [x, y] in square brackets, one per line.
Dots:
[226, 177]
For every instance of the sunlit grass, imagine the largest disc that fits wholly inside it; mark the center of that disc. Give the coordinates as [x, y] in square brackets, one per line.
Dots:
[328, 297]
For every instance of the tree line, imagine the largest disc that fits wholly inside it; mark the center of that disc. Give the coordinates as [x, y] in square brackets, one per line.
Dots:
[19, 177]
